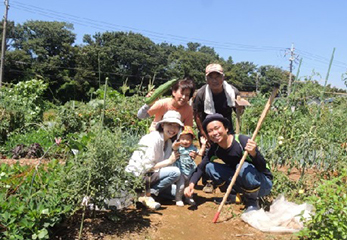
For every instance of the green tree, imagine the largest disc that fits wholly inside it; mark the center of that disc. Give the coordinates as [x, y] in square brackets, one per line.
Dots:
[242, 75]
[49, 45]
[192, 64]
[17, 64]
[117, 55]
[269, 76]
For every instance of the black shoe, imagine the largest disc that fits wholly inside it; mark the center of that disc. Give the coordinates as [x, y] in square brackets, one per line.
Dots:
[251, 199]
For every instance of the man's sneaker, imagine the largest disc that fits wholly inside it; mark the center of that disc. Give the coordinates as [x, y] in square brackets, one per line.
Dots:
[232, 198]
[180, 203]
[149, 202]
[190, 201]
[208, 188]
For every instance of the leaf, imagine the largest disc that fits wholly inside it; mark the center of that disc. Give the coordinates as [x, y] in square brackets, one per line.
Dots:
[43, 234]
[45, 211]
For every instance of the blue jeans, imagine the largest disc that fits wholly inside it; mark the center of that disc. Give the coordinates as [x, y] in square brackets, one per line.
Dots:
[167, 177]
[249, 177]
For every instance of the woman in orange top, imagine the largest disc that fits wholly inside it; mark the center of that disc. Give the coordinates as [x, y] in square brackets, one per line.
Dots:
[182, 92]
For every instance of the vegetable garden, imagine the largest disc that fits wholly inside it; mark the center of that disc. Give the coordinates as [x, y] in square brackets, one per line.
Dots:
[82, 148]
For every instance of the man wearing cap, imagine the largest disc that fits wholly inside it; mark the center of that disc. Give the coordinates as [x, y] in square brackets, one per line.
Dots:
[254, 179]
[217, 96]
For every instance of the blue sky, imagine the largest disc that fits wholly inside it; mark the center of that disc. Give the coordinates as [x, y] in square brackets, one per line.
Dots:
[259, 31]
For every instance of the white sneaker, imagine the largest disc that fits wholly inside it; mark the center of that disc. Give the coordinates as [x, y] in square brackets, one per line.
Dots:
[149, 202]
[180, 203]
[190, 201]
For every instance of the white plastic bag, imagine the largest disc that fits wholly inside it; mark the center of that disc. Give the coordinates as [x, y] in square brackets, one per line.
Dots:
[283, 217]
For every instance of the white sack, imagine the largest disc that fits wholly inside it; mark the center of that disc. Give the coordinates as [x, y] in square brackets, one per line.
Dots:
[283, 217]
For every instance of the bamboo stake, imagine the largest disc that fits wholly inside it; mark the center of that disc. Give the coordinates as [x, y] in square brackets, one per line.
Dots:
[325, 84]
[233, 180]
[297, 76]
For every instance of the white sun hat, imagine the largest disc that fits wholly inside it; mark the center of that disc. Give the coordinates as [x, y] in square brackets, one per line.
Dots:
[171, 116]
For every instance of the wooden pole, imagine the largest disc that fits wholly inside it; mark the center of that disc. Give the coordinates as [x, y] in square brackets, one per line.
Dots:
[3, 43]
[238, 119]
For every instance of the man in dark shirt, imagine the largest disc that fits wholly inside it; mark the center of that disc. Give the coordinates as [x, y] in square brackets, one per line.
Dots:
[217, 96]
[254, 179]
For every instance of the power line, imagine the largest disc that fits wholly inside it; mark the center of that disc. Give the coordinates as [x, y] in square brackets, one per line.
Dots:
[105, 26]
[101, 25]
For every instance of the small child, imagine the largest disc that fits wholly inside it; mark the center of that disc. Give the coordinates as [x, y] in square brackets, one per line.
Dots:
[186, 163]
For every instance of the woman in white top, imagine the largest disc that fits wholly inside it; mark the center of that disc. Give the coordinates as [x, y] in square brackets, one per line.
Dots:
[155, 156]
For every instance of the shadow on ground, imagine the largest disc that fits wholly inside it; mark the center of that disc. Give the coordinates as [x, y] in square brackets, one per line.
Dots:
[102, 223]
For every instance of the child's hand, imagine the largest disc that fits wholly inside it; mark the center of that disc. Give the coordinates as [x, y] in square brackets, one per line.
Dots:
[176, 145]
[203, 140]
[193, 154]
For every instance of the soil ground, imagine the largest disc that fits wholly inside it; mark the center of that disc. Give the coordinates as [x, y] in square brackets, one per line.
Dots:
[169, 222]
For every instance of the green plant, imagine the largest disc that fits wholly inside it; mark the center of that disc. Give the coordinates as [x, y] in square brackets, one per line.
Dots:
[69, 120]
[290, 137]
[26, 96]
[330, 218]
[39, 135]
[32, 200]
[102, 166]
[10, 120]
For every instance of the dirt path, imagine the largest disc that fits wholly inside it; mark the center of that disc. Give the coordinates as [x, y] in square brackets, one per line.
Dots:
[170, 222]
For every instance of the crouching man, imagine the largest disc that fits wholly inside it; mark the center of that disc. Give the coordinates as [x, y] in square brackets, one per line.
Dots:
[254, 179]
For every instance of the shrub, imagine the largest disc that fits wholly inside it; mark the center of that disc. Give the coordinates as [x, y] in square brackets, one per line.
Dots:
[10, 120]
[99, 171]
[26, 96]
[330, 219]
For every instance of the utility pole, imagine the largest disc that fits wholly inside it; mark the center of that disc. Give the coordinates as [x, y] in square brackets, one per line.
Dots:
[292, 58]
[3, 45]
[257, 83]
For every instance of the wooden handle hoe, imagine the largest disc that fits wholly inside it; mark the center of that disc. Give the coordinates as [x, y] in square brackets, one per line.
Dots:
[233, 180]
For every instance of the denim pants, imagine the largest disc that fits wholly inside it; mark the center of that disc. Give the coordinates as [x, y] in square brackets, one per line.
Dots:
[167, 177]
[249, 177]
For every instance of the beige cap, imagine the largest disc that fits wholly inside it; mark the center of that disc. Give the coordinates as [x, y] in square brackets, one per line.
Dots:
[214, 67]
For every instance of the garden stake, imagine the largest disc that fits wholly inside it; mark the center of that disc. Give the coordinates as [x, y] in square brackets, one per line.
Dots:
[240, 102]
[233, 180]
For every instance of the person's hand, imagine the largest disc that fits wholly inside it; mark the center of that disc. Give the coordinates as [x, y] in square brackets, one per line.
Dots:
[149, 94]
[193, 154]
[203, 140]
[188, 191]
[174, 156]
[176, 145]
[251, 147]
[203, 134]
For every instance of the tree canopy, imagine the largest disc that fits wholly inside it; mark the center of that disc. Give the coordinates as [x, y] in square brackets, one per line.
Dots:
[47, 51]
